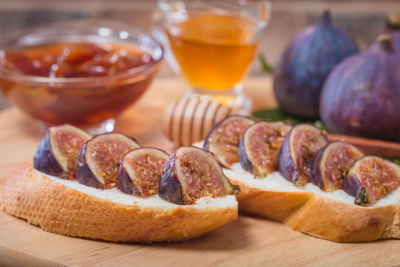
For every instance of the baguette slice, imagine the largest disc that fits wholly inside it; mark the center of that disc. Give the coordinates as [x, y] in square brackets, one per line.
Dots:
[56, 206]
[331, 216]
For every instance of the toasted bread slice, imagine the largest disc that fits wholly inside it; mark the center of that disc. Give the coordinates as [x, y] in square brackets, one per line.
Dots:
[69, 208]
[332, 216]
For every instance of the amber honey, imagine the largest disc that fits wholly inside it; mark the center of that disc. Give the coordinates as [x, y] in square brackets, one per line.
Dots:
[213, 49]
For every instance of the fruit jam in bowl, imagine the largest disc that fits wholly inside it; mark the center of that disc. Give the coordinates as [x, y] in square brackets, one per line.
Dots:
[83, 73]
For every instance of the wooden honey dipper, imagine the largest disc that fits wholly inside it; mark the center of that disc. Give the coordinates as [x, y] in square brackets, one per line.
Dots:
[188, 120]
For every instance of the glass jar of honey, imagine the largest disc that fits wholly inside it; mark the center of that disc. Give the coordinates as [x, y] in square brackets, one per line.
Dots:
[212, 43]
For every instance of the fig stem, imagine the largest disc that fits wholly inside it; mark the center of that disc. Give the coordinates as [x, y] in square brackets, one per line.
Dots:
[326, 17]
[385, 42]
[393, 21]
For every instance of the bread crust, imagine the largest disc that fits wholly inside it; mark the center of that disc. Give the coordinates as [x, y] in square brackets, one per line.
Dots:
[272, 205]
[321, 216]
[342, 222]
[56, 208]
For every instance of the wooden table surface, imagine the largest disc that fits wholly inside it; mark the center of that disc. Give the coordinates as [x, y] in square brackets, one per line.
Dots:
[249, 241]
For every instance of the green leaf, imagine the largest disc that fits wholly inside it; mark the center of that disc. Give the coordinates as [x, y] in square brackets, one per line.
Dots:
[396, 160]
[270, 114]
[265, 65]
[276, 115]
[320, 125]
[279, 115]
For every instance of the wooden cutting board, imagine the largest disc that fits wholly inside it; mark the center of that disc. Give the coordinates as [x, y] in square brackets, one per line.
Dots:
[249, 241]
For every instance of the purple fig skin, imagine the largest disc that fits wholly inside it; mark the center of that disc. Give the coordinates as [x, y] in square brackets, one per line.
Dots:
[170, 187]
[213, 131]
[244, 161]
[84, 174]
[124, 181]
[361, 96]
[306, 63]
[286, 163]
[353, 187]
[315, 169]
[396, 41]
[44, 159]
[343, 160]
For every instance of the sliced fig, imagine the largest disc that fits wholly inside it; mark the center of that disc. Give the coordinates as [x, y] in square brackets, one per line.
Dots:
[140, 171]
[259, 147]
[300, 146]
[98, 161]
[58, 150]
[191, 173]
[371, 178]
[223, 138]
[331, 164]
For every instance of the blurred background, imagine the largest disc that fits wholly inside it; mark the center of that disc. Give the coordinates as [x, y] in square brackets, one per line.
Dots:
[363, 19]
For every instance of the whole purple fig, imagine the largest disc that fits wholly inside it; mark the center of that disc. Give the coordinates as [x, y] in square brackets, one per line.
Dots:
[362, 94]
[305, 64]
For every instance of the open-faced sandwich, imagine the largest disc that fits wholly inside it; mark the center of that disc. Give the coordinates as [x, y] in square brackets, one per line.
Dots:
[109, 187]
[295, 176]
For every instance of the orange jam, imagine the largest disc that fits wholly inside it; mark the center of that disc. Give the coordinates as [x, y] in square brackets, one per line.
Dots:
[29, 78]
[71, 60]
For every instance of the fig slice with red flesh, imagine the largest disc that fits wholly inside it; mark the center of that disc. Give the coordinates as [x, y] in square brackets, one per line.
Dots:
[300, 146]
[98, 161]
[58, 150]
[330, 165]
[192, 173]
[223, 139]
[259, 147]
[370, 179]
[140, 171]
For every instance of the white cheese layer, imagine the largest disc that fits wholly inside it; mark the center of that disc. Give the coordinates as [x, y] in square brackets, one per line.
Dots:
[275, 182]
[116, 196]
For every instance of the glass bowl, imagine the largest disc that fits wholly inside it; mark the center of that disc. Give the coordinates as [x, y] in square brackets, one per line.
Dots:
[88, 102]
